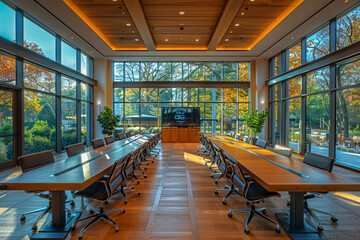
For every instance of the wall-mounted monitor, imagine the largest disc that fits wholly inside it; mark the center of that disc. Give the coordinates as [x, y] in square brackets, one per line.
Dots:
[180, 117]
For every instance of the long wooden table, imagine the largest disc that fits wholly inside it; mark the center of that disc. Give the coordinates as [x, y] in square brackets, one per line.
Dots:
[75, 173]
[278, 173]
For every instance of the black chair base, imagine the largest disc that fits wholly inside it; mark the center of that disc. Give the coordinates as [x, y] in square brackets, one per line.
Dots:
[230, 191]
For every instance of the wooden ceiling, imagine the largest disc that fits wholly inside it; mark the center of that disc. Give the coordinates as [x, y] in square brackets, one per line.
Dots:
[182, 24]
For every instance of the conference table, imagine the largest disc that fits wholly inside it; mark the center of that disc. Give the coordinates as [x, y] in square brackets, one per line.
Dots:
[75, 173]
[278, 173]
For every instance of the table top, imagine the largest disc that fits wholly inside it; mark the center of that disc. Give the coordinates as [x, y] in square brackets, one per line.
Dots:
[77, 172]
[273, 177]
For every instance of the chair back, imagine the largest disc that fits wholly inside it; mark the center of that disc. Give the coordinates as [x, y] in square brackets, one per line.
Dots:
[75, 149]
[237, 136]
[246, 139]
[121, 136]
[261, 143]
[232, 134]
[322, 162]
[238, 178]
[283, 150]
[224, 164]
[109, 139]
[128, 134]
[97, 143]
[32, 161]
[116, 177]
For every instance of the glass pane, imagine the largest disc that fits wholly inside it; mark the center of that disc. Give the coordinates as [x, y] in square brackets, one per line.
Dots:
[277, 119]
[6, 115]
[348, 31]
[132, 71]
[348, 127]
[230, 117]
[118, 110]
[118, 94]
[68, 55]
[131, 94]
[318, 80]
[295, 87]
[177, 71]
[295, 56]
[84, 91]
[84, 121]
[7, 69]
[230, 94]
[118, 71]
[176, 94]
[165, 94]
[84, 64]
[243, 94]
[149, 94]
[210, 118]
[38, 78]
[318, 44]
[39, 122]
[212, 71]
[317, 124]
[149, 118]
[243, 71]
[6, 149]
[164, 73]
[277, 64]
[7, 15]
[132, 118]
[295, 123]
[213, 95]
[230, 71]
[193, 95]
[243, 111]
[38, 40]
[196, 71]
[68, 87]
[68, 122]
[349, 73]
[149, 71]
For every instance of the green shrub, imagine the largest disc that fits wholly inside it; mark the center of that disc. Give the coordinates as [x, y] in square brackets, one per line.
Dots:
[41, 128]
[3, 152]
[47, 114]
[37, 144]
[6, 128]
[68, 138]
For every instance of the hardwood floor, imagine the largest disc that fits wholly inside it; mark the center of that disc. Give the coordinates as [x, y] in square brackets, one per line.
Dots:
[177, 201]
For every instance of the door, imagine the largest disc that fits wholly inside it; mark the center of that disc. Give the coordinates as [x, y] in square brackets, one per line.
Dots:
[7, 129]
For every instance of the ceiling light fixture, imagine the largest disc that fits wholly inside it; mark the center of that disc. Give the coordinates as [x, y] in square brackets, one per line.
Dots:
[123, 13]
[197, 39]
[252, 0]
[72, 37]
[230, 31]
[181, 12]
[226, 40]
[136, 39]
[166, 39]
[243, 14]
[292, 38]
[114, 0]
[128, 24]
[236, 25]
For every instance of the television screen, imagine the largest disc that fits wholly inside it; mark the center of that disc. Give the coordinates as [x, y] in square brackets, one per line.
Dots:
[180, 117]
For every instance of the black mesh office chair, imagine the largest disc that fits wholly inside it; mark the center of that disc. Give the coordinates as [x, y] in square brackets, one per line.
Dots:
[128, 134]
[223, 164]
[121, 136]
[30, 162]
[252, 192]
[109, 139]
[261, 143]
[246, 139]
[75, 149]
[324, 163]
[101, 191]
[98, 143]
[283, 150]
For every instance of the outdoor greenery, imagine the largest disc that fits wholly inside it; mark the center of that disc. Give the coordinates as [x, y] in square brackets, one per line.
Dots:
[256, 120]
[108, 121]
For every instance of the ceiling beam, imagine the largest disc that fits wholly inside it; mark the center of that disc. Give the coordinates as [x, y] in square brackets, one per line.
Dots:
[231, 8]
[137, 14]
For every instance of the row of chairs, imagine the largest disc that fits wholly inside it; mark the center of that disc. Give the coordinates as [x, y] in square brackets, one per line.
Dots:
[244, 185]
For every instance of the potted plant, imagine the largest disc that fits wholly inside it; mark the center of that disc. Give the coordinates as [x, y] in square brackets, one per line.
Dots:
[255, 121]
[108, 121]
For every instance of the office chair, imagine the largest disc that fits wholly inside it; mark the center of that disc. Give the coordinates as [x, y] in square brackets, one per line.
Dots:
[223, 165]
[97, 143]
[128, 134]
[121, 136]
[237, 136]
[109, 139]
[75, 149]
[33, 161]
[211, 155]
[101, 191]
[283, 150]
[252, 192]
[246, 139]
[232, 134]
[261, 143]
[324, 163]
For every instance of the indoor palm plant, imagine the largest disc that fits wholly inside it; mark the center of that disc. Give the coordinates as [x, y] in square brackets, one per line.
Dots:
[108, 121]
[255, 121]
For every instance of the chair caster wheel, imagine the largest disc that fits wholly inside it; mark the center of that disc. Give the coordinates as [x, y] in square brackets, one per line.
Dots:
[247, 231]
[123, 211]
[212, 176]
[106, 202]
[216, 182]
[223, 202]
[79, 237]
[22, 219]
[229, 215]
[138, 181]
[334, 219]
[116, 230]
[34, 228]
[91, 211]
[72, 203]
[152, 161]
[277, 230]
[145, 168]
[138, 193]
[248, 203]
[320, 228]
[216, 192]
[72, 228]
[125, 202]
[145, 176]
[264, 211]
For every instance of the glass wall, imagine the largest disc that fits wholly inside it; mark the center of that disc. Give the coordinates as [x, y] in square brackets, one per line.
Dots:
[7, 15]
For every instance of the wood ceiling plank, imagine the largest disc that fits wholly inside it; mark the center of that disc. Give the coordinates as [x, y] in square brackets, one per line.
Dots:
[186, 31]
[261, 11]
[189, 11]
[119, 30]
[97, 2]
[269, 2]
[105, 10]
[187, 21]
[136, 12]
[230, 10]
[112, 21]
[183, 2]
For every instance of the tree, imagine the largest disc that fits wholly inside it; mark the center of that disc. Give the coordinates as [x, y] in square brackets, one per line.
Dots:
[47, 114]
[256, 120]
[108, 121]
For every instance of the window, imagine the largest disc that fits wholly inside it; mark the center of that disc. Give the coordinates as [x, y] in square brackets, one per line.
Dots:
[149, 71]
[38, 78]
[348, 73]
[119, 71]
[212, 71]
[84, 64]
[295, 87]
[132, 71]
[7, 15]
[149, 94]
[294, 123]
[277, 65]
[212, 94]
[149, 118]
[85, 122]
[68, 122]
[7, 69]
[196, 71]
[318, 44]
[294, 54]
[164, 71]
[68, 87]
[230, 71]
[132, 95]
[84, 90]
[318, 80]
[68, 55]
[38, 40]
[243, 72]
[178, 70]
[348, 31]
[6, 126]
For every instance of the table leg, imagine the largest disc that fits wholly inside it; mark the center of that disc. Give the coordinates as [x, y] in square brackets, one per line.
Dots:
[58, 208]
[296, 210]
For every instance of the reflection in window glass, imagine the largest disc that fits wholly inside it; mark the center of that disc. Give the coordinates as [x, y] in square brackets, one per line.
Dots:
[68, 87]
[38, 40]
[84, 64]
[196, 71]
[6, 126]
[84, 91]
[213, 95]
[295, 56]
[230, 94]
[7, 70]
[277, 65]
[7, 15]
[295, 123]
[149, 71]
[118, 94]
[243, 71]
[149, 118]
[131, 94]
[230, 71]
[68, 122]
[348, 31]
[243, 110]
[132, 71]
[229, 118]
[39, 122]
[164, 73]
[68, 55]
[348, 127]
[212, 71]
[318, 44]
[84, 121]
[295, 87]
[149, 94]
[118, 71]
[317, 124]
[132, 122]
[212, 119]
[348, 73]
[177, 71]
[176, 94]
[318, 80]
[38, 78]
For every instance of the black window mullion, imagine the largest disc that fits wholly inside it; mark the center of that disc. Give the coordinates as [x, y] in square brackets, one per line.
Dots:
[19, 26]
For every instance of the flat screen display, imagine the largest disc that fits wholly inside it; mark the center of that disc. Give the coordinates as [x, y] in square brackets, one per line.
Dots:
[180, 117]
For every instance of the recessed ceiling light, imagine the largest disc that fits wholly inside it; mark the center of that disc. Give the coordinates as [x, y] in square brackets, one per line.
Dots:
[197, 39]
[133, 31]
[72, 37]
[114, 0]
[128, 24]
[292, 38]
[181, 39]
[346, 1]
[230, 31]
[236, 24]
[242, 13]
[123, 13]
[226, 40]
[166, 39]
[181, 12]
[136, 39]
[252, 0]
